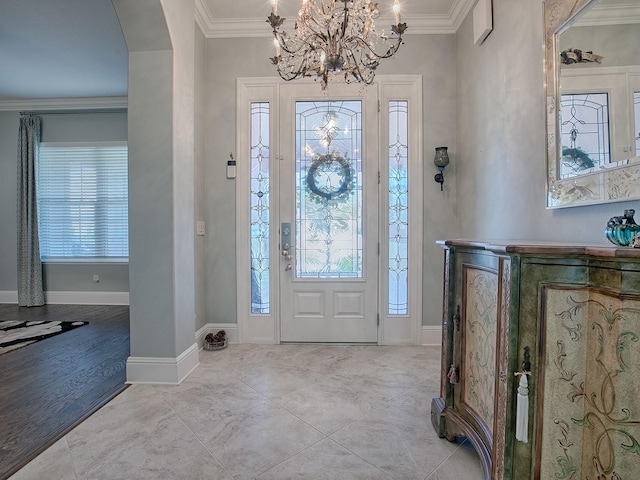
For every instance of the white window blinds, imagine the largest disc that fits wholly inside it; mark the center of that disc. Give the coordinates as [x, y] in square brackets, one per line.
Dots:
[82, 196]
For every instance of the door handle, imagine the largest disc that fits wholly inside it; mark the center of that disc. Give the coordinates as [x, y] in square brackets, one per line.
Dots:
[285, 241]
[285, 236]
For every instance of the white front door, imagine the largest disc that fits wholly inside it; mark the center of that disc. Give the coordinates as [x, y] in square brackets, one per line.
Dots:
[328, 210]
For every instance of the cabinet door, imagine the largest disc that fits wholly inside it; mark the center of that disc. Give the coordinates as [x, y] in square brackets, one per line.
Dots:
[478, 348]
[474, 389]
[588, 421]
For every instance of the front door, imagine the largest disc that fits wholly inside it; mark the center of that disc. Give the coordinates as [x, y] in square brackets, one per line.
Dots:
[328, 202]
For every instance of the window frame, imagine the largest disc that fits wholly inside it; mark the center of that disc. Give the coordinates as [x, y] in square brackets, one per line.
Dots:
[74, 259]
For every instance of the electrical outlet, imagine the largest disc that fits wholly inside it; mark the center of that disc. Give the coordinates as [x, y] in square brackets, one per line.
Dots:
[200, 228]
[96, 278]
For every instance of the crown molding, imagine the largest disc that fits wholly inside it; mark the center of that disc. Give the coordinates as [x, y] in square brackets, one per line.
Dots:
[622, 14]
[459, 11]
[203, 16]
[66, 104]
[256, 27]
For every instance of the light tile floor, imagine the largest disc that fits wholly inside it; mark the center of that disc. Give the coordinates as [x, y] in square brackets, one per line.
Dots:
[271, 412]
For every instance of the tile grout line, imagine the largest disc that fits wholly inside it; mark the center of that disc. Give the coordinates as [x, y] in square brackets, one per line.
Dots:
[266, 401]
[360, 457]
[73, 463]
[162, 396]
[292, 456]
[446, 458]
[324, 435]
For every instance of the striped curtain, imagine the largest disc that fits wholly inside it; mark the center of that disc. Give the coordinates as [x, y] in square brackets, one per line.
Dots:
[30, 290]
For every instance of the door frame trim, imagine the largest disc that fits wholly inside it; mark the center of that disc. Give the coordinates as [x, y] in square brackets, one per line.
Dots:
[403, 329]
[265, 328]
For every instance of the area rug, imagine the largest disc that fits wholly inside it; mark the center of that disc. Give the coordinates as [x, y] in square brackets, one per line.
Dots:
[15, 334]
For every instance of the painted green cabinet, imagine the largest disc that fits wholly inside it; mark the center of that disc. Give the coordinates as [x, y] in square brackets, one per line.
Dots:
[577, 309]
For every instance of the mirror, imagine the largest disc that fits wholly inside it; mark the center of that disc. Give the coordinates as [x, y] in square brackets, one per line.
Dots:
[592, 82]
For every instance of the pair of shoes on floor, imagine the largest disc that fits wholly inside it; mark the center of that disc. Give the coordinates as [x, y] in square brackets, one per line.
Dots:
[219, 337]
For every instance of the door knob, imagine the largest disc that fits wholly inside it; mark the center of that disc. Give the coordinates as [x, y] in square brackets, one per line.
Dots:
[288, 267]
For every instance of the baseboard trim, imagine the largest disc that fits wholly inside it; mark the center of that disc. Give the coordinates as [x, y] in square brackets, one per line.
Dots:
[432, 335]
[73, 298]
[87, 298]
[8, 296]
[231, 329]
[161, 370]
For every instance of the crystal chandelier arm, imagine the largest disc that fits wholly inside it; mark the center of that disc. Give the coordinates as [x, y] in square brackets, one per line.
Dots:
[295, 46]
[330, 38]
[306, 36]
[391, 48]
[356, 71]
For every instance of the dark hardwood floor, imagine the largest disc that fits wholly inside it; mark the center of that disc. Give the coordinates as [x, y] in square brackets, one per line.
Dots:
[49, 387]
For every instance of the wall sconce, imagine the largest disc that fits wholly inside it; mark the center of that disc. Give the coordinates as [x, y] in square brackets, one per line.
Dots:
[441, 160]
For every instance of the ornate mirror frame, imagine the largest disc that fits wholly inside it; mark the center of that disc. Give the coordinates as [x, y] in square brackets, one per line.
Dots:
[615, 184]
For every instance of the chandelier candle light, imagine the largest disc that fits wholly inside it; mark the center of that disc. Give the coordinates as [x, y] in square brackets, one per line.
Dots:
[335, 38]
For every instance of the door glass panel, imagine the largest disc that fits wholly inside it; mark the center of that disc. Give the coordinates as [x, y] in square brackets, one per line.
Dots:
[259, 198]
[328, 146]
[584, 132]
[398, 208]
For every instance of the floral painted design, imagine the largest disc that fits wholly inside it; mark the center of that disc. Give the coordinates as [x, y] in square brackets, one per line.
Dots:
[480, 342]
[592, 412]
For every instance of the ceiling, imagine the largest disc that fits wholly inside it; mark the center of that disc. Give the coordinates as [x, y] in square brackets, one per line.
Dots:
[75, 48]
[70, 48]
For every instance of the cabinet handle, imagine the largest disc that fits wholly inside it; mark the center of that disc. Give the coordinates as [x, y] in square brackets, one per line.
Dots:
[452, 375]
[526, 363]
[456, 319]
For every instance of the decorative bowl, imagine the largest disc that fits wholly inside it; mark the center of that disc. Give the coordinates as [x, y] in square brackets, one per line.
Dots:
[214, 345]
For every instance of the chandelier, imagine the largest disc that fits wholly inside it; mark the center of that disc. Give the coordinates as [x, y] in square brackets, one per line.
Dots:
[336, 38]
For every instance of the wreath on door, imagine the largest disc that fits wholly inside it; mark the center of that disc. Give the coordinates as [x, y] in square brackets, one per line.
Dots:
[320, 173]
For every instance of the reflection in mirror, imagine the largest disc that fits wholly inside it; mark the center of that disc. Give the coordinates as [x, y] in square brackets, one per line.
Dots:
[636, 110]
[598, 57]
[584, 132]
[592, 68]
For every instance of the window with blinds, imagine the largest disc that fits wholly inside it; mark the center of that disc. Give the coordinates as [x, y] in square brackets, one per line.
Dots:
[82, 198]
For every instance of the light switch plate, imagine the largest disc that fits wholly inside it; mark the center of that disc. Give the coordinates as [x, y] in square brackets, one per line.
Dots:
[200, 227]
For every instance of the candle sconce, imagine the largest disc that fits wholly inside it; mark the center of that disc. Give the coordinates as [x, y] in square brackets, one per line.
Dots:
[441, 160]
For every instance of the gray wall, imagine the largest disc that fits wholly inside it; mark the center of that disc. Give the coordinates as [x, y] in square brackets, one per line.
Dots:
[432, 56]
[58, 277]
[501, 165]
[84, 127]
[199, 183]
[161, 175]
[8, 179]
[226, 59]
